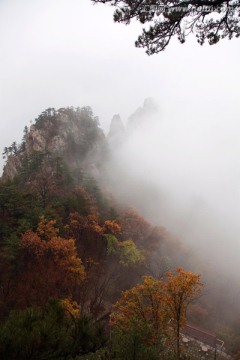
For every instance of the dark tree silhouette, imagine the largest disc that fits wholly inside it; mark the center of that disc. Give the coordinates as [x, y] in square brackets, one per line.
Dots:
[209, 20]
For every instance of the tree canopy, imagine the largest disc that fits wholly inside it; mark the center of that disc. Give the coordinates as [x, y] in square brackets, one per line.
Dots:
[210, 20]
[159, 305]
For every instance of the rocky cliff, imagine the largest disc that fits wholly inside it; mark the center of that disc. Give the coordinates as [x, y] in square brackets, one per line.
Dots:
[70, 133]
[74, 135]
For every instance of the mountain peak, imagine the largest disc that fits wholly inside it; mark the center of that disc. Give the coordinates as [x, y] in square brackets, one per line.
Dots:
[71, 133]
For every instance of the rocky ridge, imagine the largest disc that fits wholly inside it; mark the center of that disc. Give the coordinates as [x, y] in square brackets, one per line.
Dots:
[70, 133]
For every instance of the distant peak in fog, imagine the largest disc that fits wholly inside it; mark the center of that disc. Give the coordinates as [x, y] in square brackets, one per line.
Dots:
[117, 131]
[142, 114]
[116, 125]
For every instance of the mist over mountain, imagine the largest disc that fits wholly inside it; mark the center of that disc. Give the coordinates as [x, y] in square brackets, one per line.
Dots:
[183, 173]
[102, 203]
[177, 175]
[90, 182]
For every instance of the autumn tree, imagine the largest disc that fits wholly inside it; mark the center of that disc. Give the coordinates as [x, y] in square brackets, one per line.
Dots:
[134, 226]
[143, 304]
[159, 305]
[147, 238]
[209, 20]
[181, 289]
[47, 266]
[105, 257]
[92, 248]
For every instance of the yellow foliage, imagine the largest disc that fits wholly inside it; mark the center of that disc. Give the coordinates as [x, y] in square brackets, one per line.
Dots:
[181, 289]
[144, 303]
[46, 228]
[71, 306]
[158, 303]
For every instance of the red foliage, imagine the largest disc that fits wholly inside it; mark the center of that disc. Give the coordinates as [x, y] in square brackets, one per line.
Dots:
[134, 226]
[49, 267]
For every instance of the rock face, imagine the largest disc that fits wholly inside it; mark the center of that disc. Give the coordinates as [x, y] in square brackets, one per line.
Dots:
[11, 168]
[72, 134]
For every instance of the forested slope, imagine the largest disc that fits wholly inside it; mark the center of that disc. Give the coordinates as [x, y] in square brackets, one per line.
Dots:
[68, 248]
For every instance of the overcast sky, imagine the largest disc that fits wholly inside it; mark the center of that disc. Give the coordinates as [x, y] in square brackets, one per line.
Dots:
[57, 53]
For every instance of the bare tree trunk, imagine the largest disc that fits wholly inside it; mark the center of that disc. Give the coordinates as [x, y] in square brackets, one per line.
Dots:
[178, 340]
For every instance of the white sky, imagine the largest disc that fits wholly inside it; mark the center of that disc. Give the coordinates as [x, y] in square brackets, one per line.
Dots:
[57, 53]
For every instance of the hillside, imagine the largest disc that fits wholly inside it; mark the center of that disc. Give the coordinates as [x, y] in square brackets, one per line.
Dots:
[69, 247]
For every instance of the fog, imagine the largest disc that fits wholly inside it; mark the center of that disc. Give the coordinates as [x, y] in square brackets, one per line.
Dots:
[180, 167]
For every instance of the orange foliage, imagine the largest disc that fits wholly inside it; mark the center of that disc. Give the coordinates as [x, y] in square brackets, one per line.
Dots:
[78, 223]
[46, 228]
[181, 289]
[71, 307]
[32, 245]
[51, 266]
[143, 303]
[158, 303]
[111, 227]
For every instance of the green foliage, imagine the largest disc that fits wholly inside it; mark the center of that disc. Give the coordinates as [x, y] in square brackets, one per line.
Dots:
[135, 343]
[70, 203]
[127, 252]
[30, 165]
[35, 334]
[48, 333]
[24, 224]
[112, 243]
[17, 213]
[12, 205]
[130, 254]
[11, 246]
[90, 336]
[210, 21]
[11, 150]
[90, 184]
[9, 197]
[48, 116]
